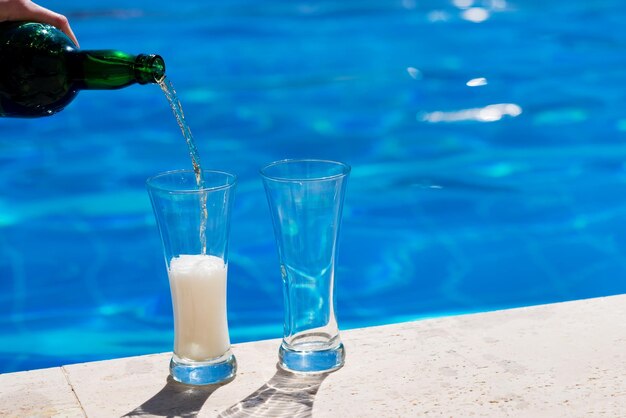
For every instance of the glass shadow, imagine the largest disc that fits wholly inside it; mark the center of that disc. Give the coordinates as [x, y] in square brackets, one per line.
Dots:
[285, 395]
[176, 400]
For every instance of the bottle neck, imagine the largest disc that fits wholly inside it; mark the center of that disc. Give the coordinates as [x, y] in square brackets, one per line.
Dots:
[149, 68]
[108, 69]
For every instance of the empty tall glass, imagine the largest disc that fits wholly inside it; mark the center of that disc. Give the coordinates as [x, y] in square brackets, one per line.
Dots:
[194, 224]
[305, 199]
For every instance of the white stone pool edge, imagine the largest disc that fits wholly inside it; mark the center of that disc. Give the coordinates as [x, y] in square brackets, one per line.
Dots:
[564, 359]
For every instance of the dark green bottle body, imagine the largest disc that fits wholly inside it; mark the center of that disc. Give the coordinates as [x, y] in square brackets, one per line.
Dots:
[41, 70]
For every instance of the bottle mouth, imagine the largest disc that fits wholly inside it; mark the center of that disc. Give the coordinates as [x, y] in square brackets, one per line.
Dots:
[149, 68]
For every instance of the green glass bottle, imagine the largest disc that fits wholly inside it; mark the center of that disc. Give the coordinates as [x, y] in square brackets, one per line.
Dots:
[41, 70]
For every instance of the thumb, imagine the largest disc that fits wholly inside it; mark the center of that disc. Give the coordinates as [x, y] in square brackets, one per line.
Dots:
[43, 15]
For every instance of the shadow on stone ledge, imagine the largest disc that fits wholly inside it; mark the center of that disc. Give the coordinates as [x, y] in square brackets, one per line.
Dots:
[284, 395]
[175, 400]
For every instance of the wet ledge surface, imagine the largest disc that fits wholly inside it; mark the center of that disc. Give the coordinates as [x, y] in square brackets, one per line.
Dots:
[566, 359]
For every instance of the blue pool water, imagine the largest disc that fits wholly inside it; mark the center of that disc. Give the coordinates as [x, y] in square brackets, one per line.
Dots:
[487, 140]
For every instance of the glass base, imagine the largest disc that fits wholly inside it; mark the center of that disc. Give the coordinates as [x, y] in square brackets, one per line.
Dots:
[311, 361]
[203, 372]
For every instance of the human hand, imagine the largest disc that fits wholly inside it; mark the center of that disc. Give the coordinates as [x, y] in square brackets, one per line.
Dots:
[27, 10]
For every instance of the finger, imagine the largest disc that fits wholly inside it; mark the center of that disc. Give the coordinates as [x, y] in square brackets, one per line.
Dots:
[43, 15]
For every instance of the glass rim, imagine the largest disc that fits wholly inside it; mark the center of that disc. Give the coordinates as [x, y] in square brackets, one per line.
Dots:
[345, 170]
[151, 185]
